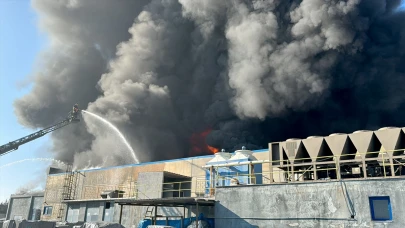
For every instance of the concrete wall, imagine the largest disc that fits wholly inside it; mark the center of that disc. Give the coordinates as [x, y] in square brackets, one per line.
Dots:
[308, 204]
[19, 207]
[24, 206]
[3, 210]
[150, 185]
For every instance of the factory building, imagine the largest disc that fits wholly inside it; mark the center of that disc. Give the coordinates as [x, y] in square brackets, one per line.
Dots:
[3, 210]
[27, 206]
[340, 180]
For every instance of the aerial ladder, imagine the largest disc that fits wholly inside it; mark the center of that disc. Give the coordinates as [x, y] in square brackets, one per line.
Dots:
[73, 117]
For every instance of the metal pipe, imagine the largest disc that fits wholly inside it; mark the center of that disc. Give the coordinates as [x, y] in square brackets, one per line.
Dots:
[237, 163]
[262, 218]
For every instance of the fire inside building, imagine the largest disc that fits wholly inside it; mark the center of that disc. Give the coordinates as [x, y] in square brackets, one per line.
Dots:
[340, 180]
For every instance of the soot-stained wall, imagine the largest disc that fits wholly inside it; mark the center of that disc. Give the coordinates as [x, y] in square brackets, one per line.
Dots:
[308, 204]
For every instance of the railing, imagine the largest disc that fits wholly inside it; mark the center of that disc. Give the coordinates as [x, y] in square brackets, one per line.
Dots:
[196, 187]
[387, 163]
[381, 164]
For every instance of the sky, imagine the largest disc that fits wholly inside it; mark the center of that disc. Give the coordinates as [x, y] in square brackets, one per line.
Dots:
[20, 43]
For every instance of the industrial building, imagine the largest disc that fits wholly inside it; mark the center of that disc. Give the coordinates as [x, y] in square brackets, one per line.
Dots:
[3, 210]
[25, 207]
[340, 180]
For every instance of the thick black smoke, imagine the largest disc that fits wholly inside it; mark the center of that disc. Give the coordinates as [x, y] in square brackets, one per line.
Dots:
[252, 71]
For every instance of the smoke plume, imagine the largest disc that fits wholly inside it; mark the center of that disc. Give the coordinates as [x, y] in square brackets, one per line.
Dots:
[249, 72]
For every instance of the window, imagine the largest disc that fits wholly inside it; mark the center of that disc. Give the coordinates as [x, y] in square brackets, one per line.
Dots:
[48, 210]
[380, 207]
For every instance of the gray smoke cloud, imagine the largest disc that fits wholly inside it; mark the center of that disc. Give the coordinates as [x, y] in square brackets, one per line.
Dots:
[250, 72]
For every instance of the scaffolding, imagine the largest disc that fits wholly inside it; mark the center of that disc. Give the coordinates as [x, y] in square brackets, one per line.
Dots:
[69, 189]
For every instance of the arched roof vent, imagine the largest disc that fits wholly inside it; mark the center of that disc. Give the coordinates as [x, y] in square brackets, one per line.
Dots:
[360, 131]
[334, 134]
[386, 128]
[292, 139]
[314, 136]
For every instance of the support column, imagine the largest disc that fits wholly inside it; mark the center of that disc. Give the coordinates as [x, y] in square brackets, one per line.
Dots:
[249, 173]
[271, 177]
[392, 166]
[196, 217]
[211, 190]
[120, 215]
[155, 217]
[364, 168]
[252, 175]
[30, 209]
[337, 165]
[315, 174]
[292, 172]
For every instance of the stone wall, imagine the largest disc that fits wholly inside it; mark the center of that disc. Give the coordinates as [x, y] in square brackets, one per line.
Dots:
[53, 196]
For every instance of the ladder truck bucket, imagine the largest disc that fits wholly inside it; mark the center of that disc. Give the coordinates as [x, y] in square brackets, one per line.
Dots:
[74, 114]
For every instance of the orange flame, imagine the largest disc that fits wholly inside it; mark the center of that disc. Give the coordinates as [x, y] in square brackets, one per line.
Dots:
[198, 144]
[213, 149]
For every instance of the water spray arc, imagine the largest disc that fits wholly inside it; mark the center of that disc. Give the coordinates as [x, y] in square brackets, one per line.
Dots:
[58, 162]
[132, 152]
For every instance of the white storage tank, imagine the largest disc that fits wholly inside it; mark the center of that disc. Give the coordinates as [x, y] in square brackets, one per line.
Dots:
[220, 157]
[245, 155]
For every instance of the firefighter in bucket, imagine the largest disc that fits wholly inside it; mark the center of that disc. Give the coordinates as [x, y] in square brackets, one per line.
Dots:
[74, 115]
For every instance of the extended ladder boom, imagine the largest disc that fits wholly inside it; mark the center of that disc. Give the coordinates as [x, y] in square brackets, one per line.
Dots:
[11, 146]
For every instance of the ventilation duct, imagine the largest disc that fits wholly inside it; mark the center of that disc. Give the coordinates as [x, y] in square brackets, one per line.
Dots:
[341, 146]
[313, 145]
[365, 142]
[391, 139]
[295, 150]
